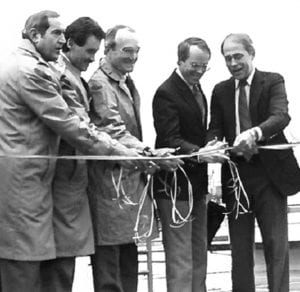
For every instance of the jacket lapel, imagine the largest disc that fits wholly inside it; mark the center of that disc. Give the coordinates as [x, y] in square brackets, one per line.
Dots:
[136, 102]
[187, 95]
[205, 105]
[229, 104]
[255, 94]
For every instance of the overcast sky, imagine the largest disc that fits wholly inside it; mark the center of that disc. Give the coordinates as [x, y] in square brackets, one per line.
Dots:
[162, 24]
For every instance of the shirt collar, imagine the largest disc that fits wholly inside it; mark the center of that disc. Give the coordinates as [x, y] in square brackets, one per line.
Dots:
[106, 67]
[181, 76]
[28, 46]
[70, 66]
[249, 79]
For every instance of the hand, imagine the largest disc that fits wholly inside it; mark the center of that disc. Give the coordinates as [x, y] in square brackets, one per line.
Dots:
[167, 164]
[162, 152]
[150, 167]
[129, 152]
[245, 144]
[216, 152]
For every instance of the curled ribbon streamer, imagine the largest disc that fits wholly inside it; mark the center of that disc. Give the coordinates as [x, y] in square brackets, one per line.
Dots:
[171, 191]
[238, 189]
[121, 195]
[123, 198]
[177, 218]
[142, 237]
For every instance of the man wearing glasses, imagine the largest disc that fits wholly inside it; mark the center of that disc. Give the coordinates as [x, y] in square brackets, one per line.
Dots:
[180, 119]
[115, 107]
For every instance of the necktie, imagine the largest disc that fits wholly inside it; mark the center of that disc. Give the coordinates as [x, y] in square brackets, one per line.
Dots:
[132, 89]
[244, 114]
[85, 85]
[199, 98]
[87, 99]
[130, 85]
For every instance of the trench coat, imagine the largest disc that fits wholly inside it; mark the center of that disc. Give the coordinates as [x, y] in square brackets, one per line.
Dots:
[72, 223]
[115, 106]
[32, 116]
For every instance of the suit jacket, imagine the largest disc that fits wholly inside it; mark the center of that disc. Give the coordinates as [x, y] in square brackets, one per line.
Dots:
[269, 111]
[178, 123]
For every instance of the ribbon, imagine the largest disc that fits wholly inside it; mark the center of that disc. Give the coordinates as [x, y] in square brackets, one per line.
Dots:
[142, 237]
[202, 152]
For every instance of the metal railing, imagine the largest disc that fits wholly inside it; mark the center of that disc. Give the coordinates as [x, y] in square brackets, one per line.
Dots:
[148, 250]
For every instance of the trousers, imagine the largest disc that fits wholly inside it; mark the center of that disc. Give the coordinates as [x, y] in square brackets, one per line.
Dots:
[269, 208]
[185, 247]
[115, 268]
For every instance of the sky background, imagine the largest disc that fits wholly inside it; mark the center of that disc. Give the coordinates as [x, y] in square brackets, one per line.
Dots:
[162, 24]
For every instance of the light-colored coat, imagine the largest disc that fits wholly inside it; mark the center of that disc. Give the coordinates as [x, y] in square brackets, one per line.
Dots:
[32, 115]
[117, 110]
[73, 230]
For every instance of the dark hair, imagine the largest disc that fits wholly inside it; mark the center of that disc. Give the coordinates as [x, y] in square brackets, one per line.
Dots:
[39, 21]
[80, 29]
[110, 40]
[183, 51]
[241, 38]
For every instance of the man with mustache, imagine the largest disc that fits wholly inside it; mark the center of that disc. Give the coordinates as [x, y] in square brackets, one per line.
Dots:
[33, 117]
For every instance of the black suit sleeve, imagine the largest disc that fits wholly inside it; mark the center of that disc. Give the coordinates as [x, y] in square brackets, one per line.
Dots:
[276, 107]
[216, 124]
[167, 123]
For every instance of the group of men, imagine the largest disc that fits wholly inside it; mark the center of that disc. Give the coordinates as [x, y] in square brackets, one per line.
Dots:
[52, 210]
[46, 112]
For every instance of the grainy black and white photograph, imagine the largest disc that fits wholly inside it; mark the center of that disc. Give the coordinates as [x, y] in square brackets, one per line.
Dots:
[150, 146]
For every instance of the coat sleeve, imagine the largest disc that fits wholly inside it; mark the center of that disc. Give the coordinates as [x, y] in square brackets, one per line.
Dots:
[42, 94]
[106, 115]
[216, 125]
[277, 117]
[167, 123]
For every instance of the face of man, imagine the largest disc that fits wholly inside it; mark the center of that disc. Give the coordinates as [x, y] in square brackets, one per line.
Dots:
[50, 44]
[81, 57]
[238, 60]
[193, 68]
[125, 54]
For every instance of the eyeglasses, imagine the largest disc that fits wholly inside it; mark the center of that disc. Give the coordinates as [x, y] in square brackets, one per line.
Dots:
[236, 57]
[202, 67]
[129, 51]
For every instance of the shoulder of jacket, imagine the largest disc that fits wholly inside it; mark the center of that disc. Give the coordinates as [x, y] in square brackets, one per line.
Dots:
[222, 84]
[165, 89]
[98, 77]
[34, 67]
[271, 76]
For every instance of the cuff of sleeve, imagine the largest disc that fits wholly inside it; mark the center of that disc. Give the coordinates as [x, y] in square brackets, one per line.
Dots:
[258, 133]
[147, 151]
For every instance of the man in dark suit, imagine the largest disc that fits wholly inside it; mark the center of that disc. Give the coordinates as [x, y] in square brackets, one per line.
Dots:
[250, 108]
[180, 117]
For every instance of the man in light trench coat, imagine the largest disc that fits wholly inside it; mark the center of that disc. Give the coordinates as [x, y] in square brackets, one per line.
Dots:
[72, 224]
